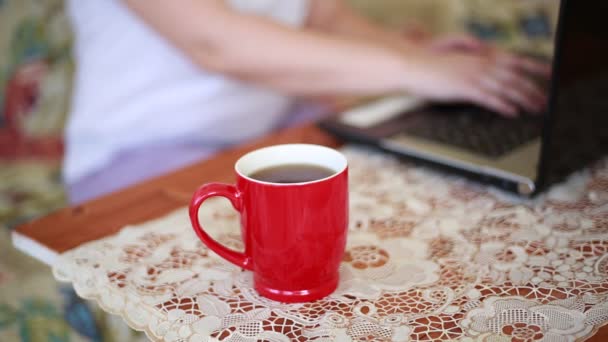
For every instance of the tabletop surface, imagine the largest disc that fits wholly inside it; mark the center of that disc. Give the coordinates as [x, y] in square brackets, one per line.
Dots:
[68, 228]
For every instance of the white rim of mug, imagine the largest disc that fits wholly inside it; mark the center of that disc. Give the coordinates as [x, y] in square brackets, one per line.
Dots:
[336, 173]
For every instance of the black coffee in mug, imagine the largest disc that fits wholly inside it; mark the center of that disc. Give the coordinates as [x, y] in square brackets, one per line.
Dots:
[292, 173]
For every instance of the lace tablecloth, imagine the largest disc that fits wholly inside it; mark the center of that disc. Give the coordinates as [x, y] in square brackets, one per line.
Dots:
[429, 257]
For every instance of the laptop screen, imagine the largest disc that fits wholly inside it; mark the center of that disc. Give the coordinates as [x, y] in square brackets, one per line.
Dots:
[576, 133]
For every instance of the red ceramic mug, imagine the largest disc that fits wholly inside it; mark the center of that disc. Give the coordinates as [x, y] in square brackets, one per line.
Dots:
[295, 233]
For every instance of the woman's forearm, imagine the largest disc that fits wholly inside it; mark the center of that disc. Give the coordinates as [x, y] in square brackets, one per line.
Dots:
[308, 63]
[256, 49]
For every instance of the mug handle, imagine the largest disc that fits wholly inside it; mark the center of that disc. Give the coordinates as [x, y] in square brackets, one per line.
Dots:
[231, 193]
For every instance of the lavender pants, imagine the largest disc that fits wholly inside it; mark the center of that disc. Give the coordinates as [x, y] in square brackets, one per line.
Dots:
[136, 165]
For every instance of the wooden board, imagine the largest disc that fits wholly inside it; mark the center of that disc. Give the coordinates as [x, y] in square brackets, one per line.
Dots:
[65, 229]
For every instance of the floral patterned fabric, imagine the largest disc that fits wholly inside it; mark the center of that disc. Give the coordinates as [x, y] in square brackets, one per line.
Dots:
[428, 257]
[35, 78]
[526, 25]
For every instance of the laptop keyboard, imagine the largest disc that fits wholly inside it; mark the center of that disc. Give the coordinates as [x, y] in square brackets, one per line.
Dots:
[476, 129]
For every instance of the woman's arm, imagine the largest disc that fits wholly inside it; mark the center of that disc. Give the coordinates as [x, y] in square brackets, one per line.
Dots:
[256, 49]
[314, 62]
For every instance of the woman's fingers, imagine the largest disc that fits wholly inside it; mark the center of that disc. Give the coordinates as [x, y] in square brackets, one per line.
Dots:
[513, 95]
[520, 88]
[491, 100]
[507, 90]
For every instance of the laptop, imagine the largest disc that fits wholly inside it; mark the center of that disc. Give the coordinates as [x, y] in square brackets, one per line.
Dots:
[522, 155]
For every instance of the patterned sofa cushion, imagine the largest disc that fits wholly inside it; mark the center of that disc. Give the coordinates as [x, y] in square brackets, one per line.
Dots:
[35, 77]
[526, 25]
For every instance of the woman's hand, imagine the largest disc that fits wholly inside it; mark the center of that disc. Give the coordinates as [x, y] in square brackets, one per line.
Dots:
[462, 68]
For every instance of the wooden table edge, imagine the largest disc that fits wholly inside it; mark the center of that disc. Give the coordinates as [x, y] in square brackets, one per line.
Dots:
[48, 236]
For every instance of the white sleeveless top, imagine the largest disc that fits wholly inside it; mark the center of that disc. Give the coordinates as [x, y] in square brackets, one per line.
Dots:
[133, 88]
